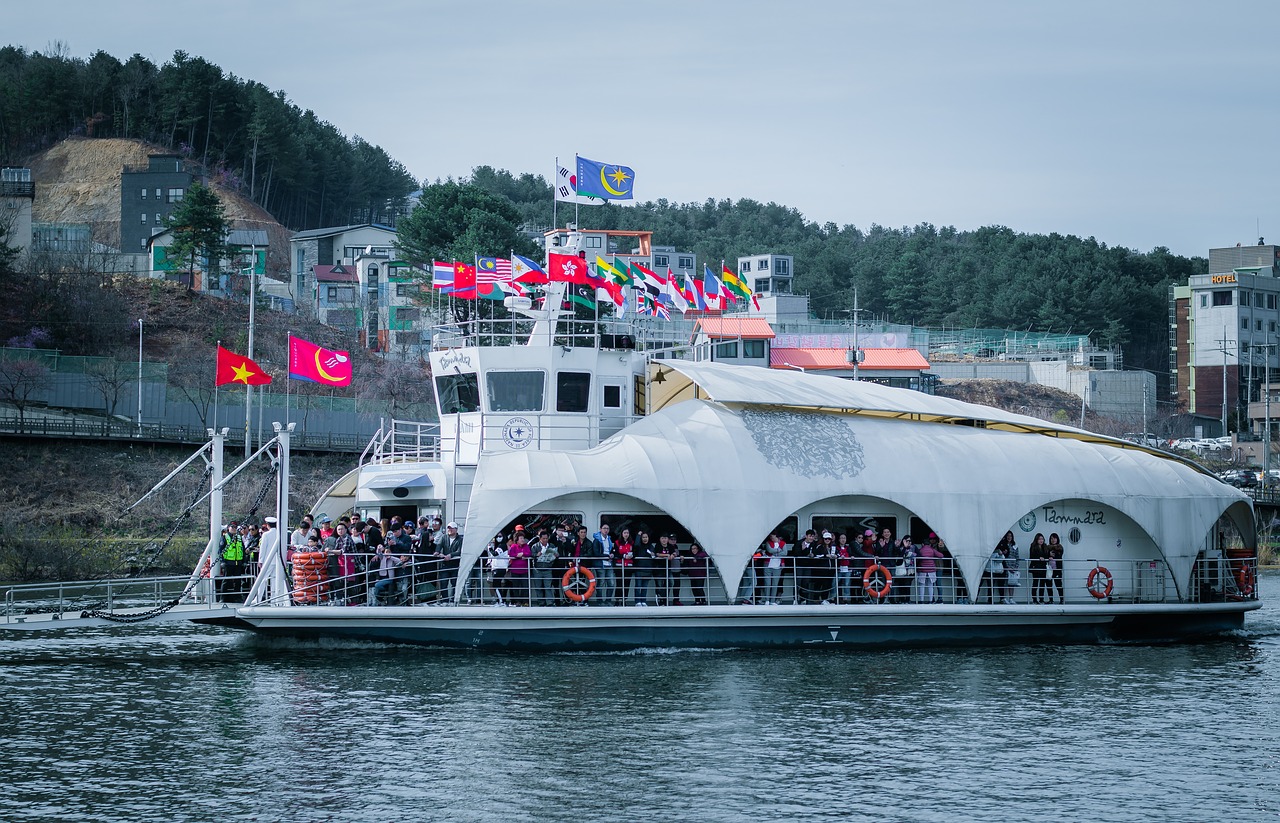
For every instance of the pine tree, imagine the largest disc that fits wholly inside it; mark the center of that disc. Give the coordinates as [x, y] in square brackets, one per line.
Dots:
[200, 229]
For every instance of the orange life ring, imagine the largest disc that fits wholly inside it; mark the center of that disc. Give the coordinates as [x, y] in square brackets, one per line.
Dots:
[208, 566]
[1100, 592]
[310, 577]
[868, 578]
[570, 584]
[1245, 580]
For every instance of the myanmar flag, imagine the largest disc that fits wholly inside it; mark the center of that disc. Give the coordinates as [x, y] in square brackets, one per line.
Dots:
[236, 368]
[307, 361]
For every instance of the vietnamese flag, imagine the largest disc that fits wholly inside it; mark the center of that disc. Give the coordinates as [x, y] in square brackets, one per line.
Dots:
[236, 368]
[566, 268]
[307, 361]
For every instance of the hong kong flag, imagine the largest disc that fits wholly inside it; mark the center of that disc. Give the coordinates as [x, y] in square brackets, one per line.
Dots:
[566, 268]
[307, 361]
[236, 368]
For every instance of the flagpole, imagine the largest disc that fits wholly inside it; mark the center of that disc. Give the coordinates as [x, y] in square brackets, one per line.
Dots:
[555, 181]
[575, 194]
[215, 396]
[288, 368]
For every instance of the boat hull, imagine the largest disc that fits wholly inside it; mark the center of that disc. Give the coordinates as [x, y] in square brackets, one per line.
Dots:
[616, 628]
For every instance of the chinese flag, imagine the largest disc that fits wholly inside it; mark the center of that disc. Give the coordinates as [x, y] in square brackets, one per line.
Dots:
[307, 361]
[236, 368]
[464, 281]
[566, 268]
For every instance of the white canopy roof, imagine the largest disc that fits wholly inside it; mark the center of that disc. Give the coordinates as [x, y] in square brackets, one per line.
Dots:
[769, 443]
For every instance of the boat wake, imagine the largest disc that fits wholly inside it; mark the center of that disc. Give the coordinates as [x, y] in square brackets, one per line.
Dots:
[648, 650]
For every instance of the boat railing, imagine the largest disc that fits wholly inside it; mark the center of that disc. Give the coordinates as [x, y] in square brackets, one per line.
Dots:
[403, 441]
[24, 599]
[619, 334]
[427, 579]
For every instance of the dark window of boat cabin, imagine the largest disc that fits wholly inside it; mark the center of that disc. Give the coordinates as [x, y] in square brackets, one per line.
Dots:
[855, 525]
[458, 393]
[1222, 298]
[513, 391]
[788, 530]
[753, 348]
[727, 350]
[613, 397]
[573, 391]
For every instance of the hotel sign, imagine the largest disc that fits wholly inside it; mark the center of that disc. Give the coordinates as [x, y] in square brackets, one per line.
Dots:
[1218, 279]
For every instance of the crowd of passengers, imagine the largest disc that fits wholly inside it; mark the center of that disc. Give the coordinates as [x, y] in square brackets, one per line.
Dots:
[394, 561]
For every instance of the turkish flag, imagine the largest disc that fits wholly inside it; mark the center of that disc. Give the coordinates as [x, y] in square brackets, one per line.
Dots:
[566, 268]
[236, 368]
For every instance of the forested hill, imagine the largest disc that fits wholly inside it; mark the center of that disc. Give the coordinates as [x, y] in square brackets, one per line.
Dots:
[940, 277]
[300, 168]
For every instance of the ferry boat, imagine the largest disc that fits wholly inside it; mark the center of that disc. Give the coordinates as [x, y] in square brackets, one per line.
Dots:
[546, 420]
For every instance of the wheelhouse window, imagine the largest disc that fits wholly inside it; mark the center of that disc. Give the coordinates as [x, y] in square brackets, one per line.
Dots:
[573, 391]
[458, 393]
[516, 391]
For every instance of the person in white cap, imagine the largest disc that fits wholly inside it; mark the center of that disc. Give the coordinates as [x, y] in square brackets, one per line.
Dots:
[269, 540]
[449, 550]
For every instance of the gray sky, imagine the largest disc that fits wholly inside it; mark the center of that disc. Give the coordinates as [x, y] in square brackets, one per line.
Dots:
[1142, 124]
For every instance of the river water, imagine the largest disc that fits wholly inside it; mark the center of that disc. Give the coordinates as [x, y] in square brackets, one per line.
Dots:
[177, 722]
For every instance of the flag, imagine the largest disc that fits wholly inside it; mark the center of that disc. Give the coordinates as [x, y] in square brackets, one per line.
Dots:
[610, 271]
[699, 300]
[739, 286]
[307, 361]
[567, 189]
[604, 181]
[524, 270]
[584, 294]
[493, 270]
[675, 295]
[646, 277]
[441, 275]
[613, 291]
[464, 281]
[236, 368]
[566, 268]
[713, 290]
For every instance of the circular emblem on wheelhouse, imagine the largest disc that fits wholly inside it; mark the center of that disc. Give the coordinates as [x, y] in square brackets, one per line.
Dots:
[1028, 522]
[517, 433]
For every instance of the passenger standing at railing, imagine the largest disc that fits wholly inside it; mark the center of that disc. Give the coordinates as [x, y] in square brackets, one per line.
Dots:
[996, 591]
[646, 558]
[519, 552]
[625, 549]
[1038, 557]
[905, 575]
[545, 555]
[252, 539]
[603, 546]
[1012, 569]
[449, 550]
[340, 565]
[775, 549]
[1054, 569]
[927, 557]
[326, 527]
[666, 556]
[695, 565]
[825, 565]
[387, 562]
[844, 569]
[803, 554]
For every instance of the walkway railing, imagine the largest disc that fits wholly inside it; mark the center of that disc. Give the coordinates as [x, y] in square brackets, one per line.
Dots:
[81, 595]
[101, 429]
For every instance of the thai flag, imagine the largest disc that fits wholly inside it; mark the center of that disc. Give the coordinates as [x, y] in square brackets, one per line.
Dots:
[441, 275]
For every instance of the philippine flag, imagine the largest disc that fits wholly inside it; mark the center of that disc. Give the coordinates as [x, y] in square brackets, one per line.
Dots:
[307, 361]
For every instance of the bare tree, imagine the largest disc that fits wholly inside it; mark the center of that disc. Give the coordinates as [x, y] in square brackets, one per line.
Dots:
[192, 371]
[109, 376]
[21, 382]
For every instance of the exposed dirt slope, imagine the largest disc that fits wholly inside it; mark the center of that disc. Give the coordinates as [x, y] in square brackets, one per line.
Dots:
[78, 181]
[1022, 398]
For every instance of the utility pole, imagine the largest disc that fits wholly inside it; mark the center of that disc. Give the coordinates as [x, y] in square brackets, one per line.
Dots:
[1266, 431]
[248, 390]
[1222, 343]
[139, 376]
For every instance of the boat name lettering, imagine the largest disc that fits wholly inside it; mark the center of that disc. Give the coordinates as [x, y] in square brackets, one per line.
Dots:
[1052, 515]
[455, 359]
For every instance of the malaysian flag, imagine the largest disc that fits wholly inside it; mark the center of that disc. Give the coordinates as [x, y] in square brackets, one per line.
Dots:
[493, 270]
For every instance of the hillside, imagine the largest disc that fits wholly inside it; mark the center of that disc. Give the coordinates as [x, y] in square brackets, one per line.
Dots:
[1032, 400]
[78, 181]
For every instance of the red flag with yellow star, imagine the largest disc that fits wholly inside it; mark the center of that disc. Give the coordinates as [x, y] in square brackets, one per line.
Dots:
[236, 368]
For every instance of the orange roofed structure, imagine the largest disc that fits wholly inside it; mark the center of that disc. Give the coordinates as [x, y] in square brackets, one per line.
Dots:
[904, 368]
